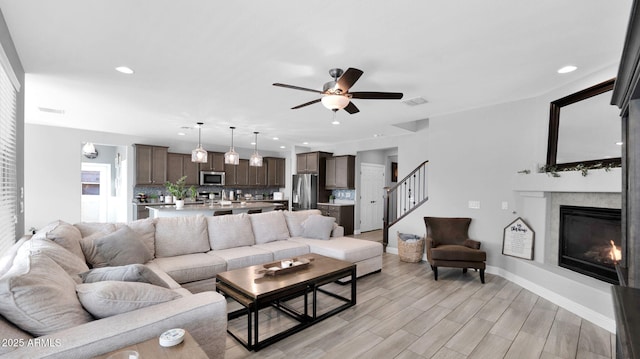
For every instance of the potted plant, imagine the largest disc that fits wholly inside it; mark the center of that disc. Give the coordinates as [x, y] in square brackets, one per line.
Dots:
[178, 190]
[193, 193]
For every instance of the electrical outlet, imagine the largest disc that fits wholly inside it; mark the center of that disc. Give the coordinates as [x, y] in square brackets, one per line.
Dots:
[474, 204]
[505, 205]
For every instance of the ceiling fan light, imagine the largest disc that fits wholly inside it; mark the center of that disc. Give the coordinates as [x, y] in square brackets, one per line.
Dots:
[199, 155]
[335, 102]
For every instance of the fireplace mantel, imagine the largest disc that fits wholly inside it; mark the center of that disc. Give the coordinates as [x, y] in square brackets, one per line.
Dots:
[596, 181]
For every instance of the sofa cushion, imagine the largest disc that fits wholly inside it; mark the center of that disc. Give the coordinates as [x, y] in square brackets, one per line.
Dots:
[269, 226]
[128, 273]
[294, 220]
[240, 257]
[38, 296]
[176, 236]
[88, 228]
[318, 227]
[65, 259]
[191, 267]
[64, 234]
[105, 299]
[345, 248]
[230, 231]
[119, 248]
[284, 249]
[146, 230]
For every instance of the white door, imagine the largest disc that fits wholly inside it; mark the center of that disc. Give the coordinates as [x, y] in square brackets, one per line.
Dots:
[96, 191]
[371, 196]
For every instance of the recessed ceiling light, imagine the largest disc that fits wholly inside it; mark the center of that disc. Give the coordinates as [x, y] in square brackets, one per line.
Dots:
[253, 143]
[305, 143]
[378, 135]
[567, 69]
[275, 138]
[124, 70]
[181, 134]
[282, 147]
[619, 143]
[335, 122]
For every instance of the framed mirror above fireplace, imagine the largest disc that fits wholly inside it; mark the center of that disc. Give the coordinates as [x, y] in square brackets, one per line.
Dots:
[584, 129]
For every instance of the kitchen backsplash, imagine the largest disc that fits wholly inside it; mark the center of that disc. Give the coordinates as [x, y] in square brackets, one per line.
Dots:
[155, 191]
[348, 194]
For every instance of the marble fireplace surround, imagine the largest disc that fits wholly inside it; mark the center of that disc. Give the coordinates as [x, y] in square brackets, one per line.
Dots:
[538, 201]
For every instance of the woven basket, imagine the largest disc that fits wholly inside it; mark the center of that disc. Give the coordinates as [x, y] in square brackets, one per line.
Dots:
[411, 251]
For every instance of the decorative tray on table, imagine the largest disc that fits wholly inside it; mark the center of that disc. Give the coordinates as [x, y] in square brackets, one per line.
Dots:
[285, 266]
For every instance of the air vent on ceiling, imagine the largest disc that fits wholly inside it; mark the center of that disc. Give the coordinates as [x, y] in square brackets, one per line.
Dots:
[51, 110]
[415, 101]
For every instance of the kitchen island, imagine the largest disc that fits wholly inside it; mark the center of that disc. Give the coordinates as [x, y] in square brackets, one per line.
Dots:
[209, 209]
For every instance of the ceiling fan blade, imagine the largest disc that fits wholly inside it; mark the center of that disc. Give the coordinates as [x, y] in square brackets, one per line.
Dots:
[351, 108]
[296, 88]
[306, 104]
[377, 95]
[348, 79]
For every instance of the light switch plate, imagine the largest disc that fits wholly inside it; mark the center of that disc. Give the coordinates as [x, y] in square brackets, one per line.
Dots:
[505, 205]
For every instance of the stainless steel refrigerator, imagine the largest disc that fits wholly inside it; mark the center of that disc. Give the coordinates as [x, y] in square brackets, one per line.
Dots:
[305, 192]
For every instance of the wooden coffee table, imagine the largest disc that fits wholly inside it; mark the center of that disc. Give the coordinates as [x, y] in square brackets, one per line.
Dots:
[255, 291]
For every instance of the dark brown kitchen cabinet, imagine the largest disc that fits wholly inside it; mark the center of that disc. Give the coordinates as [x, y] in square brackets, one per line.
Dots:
[237, 175]
[215, 162]
[258, 175]
[311, 162]
[275, 171]
[342, 213]
[340, 172]
[179, 165]
[151, 164]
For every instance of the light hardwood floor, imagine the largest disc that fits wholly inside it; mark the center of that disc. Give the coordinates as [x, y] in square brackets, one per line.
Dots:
[403, 313]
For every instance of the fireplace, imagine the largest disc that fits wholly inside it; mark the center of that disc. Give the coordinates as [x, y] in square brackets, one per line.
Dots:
[590, 241]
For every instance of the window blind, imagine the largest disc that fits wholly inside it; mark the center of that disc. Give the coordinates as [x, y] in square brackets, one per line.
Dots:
[8, 166]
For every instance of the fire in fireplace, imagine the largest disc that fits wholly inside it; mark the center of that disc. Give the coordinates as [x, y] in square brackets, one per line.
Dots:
[590, 241]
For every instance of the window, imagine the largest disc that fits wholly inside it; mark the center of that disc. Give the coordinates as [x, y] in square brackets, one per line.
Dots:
[8, 144]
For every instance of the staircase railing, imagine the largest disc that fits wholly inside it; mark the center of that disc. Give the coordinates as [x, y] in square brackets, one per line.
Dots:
[403, 198]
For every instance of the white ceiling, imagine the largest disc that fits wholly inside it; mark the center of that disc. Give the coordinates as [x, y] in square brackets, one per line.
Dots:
[212, 61]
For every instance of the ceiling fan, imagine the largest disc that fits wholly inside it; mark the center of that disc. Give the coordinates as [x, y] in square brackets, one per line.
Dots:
[336, 95]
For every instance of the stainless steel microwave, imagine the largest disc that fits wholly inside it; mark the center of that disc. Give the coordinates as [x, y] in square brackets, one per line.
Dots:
[210, 178]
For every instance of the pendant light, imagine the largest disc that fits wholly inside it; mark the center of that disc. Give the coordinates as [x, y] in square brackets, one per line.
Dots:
[89, 150]
[199, 155]
[256, 159]
[232, 157]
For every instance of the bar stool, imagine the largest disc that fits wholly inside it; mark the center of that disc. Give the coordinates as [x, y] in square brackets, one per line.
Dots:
[252, 211]
[223, 212]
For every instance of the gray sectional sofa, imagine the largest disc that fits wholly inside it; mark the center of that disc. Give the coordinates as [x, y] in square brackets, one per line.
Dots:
[90, 288]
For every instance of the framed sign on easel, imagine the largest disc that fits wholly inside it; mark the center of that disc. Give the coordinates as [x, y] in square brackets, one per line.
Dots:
[518, 240]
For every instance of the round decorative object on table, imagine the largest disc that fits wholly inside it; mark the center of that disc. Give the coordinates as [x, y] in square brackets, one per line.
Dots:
[171, 337]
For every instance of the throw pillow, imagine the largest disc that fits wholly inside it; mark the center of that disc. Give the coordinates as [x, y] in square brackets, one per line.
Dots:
[65, 259]
[176, 236]
[88, 228]
[64, 234]
[119, 248]
[230, 231]
[295, 219]
[146, 231]
[269, 227]
[129, 273]
[39, 297]
[105, 299]
[318, 227]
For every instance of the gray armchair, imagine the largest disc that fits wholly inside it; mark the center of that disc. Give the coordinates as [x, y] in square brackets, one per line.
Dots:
[448, 245]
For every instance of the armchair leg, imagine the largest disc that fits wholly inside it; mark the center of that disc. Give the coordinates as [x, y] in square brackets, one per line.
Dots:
[435, 272]
[482, 276]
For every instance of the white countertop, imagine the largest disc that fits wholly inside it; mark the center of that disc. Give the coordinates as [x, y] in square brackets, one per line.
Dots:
[207, 209]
